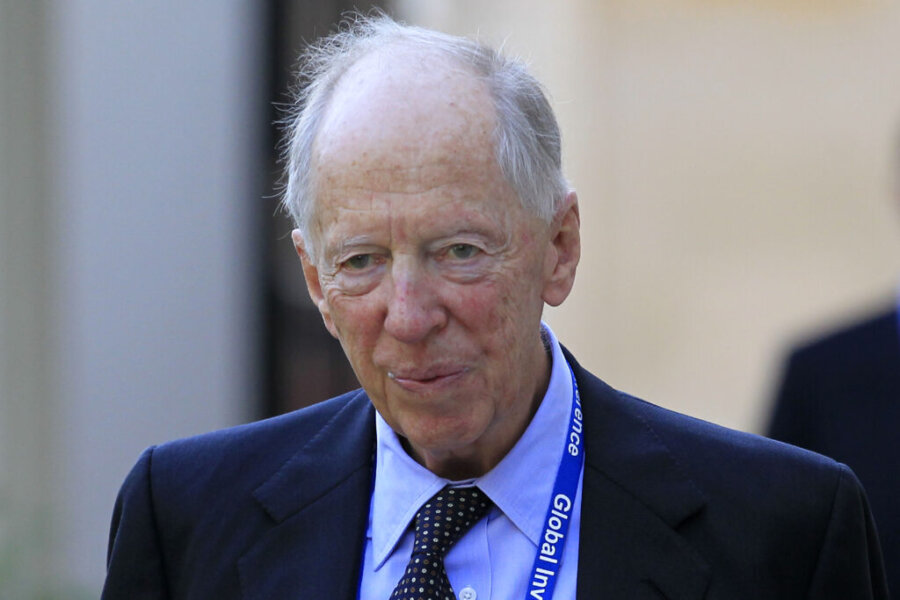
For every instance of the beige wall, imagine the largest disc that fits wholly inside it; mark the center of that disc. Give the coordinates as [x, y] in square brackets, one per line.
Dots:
[732, 163]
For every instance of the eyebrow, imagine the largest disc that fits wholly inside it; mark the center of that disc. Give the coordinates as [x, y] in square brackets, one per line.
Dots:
[496, 237]
[345, 243]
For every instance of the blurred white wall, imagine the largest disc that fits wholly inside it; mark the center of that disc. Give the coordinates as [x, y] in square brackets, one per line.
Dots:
[732, 161]
[137, 188]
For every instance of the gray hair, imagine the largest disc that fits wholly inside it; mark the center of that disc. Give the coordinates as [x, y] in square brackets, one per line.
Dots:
[526, 134]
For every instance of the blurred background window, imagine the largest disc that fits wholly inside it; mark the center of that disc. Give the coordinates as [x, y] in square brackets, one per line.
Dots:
[301, 362]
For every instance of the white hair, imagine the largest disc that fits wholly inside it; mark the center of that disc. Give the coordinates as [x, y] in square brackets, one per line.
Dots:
[526, 135]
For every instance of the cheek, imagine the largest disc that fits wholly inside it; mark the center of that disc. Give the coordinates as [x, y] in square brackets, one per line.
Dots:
[519, 308]
[356, 320]
[357, 329]
[497, 311]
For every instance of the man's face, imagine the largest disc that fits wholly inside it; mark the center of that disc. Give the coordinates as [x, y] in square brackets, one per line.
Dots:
[428, 270]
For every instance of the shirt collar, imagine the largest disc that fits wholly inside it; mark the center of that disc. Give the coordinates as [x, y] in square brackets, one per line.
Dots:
[402, 485]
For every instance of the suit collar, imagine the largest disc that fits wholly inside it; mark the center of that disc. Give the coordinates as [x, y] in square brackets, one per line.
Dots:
[319, 502]
[636, 497]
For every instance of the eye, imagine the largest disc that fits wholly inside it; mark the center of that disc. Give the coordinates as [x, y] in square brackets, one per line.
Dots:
[462, 251]
[358, 262]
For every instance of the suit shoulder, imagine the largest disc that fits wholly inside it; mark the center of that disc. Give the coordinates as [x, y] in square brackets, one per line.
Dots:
[726, 449]
[247, 454]
[304, 421]
[742, 475]
[718, 459]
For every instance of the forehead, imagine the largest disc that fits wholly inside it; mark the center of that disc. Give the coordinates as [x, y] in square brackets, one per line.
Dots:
[402, 123]
[400, 109]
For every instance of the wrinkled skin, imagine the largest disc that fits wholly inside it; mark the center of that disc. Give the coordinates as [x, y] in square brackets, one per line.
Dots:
[427, 268]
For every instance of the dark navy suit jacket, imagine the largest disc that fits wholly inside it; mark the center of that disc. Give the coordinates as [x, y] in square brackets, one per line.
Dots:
[840, 396]
[672, 507]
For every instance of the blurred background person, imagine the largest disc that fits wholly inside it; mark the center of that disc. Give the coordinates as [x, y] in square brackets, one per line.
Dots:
[840, 396]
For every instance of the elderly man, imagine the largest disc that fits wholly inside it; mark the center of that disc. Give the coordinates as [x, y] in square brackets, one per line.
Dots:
[479, 460]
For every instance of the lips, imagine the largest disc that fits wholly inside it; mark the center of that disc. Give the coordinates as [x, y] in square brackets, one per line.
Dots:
[425, 379]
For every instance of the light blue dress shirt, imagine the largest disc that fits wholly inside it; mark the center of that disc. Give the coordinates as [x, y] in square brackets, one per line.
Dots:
[493, 561]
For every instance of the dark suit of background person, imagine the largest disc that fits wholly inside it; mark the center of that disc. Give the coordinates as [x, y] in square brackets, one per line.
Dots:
[673, 508]
[840, 396]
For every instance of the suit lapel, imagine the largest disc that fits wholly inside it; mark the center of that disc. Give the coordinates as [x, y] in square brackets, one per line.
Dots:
[319, 502]
[635, 498]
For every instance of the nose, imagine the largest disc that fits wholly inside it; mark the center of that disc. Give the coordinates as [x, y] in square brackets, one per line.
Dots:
[414, 309]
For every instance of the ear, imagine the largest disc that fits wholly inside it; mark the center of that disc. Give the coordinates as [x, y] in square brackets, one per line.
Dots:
[563, 252]
[311, 274]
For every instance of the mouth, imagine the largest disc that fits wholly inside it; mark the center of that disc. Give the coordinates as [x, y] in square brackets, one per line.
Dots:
[425, 380]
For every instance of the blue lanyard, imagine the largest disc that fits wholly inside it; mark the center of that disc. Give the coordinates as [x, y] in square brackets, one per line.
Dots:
[559, 512]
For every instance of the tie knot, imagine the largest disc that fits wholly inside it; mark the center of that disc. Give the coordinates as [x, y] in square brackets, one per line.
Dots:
[446, 517]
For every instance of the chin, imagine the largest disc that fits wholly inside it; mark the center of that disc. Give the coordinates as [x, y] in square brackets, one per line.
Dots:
[441, 437]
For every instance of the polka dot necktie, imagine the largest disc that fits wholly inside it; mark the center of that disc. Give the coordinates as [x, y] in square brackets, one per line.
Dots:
[439, 524]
